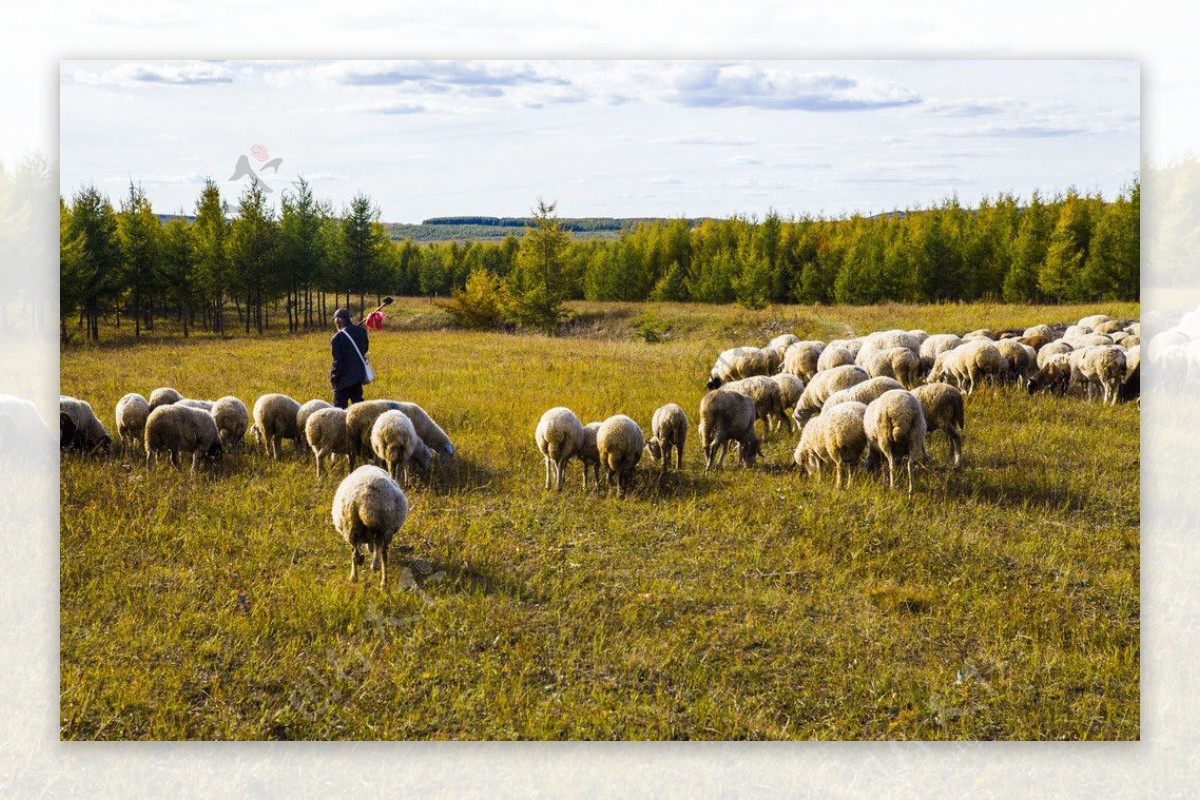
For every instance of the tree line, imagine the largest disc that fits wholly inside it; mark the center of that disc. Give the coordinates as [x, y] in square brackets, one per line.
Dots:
[126, 262]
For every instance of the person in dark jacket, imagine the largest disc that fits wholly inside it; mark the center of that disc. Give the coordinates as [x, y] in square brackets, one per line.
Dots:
[348, 371]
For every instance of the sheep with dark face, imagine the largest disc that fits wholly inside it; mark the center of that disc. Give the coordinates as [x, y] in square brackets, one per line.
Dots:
[1054, 375]
[369, 507]
[727, 416]
[84, 431]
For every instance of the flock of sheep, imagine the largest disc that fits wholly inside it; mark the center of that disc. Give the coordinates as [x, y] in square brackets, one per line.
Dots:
[369, 506]
[873, 398]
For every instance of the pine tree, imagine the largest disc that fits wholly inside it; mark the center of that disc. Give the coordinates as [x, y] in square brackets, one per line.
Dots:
[212, 259]
[538, 285]
[139, 232]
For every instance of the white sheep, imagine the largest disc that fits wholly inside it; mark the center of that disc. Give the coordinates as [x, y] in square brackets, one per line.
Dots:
[726, 416]
[767, 397]
[898, 363]
[833, 437]
[131, 413]
[369, 507]
[620, 442]
[801, 358]
[1044, 353]
[360, 418]
[87, 433]
[325, 432]
[429, 431]
[164, 396]
[306, 410]
[933, 346]
[668, 431]
[791, 390]
[275, 421]
[176, 428]
[1093, 320]
[1100, 366]
[559, 436]
[862, 393]
[1053, 375]
[895, 428]
[833, 356]
[737, 363]
[395, 442]
[1021, 359]
[853, 345]
[970, 362]
[232, 419]
[195, 403]
[886, 340]
[824, 384]
[589, 454]
[943, 408]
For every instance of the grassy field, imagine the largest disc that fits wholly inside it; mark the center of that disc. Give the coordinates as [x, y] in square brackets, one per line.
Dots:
[999, 602]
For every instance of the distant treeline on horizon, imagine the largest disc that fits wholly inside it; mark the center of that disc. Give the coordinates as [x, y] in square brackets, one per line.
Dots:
[1068, 248]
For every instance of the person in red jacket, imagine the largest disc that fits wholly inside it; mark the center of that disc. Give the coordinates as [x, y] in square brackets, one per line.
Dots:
[349, 371]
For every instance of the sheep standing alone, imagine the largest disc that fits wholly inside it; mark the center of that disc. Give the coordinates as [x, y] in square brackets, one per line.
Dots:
[131, 413]
[176, 428]
[232, 419]
[835, 436]
[87, 433]
[942, 405]
[895, 428]
[559, 436]
[395, 441]
[275, 421]
[325, 432]
[368, 509]
[164, 396]
[726, 416]
[620, 442]
[668, 430]
[307, 409]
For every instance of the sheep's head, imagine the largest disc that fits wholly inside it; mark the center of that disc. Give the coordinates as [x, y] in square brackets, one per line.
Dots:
[750, 448]
[655, 449]
[714, 382]
[68, 432]
[422, 457]
[214, 453]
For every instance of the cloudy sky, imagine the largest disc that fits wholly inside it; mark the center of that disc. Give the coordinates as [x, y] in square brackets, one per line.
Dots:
[603, 138]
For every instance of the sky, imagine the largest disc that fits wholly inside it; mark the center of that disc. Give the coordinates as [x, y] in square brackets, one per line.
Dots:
[618, 138]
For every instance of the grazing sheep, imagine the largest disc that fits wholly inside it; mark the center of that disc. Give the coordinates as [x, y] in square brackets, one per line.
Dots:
[1021, 363]
[668, 430]
[360, 418]
[980, 333]
[1109, 327]
[738, 363]
[920, 335]
[176, 428]
[935, 345]
[782, 342]
[726, 416]
[898, 363]
[131, 413]
[68, 432]
[968, 363]
[620, 442]
[791, 390]
[862, 393]
[1054, 375]
[801, 359]
[1037, 336]
[767, 397]
[835, 436]
[1102, 366]
[306, 410]
[833, 356]
[1132, 388]
[232, 419]
[589, 454]
[824, 384]
[886, 340]
[852, 345]
[559, 436]
[429, 431]
[1092, 341]
[275, 421]
[1092, 321]
[895, 428]
[942, 406]
[164, 396]
[202, 405]
[325, 432]
[395, 442]
[88, 433]
[1050, 349]
[1133, 359]
[368, 509]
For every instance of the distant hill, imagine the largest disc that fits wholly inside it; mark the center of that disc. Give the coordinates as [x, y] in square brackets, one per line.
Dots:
[444, 229]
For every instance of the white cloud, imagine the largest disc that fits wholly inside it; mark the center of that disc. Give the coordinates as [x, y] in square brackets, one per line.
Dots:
[166, 73]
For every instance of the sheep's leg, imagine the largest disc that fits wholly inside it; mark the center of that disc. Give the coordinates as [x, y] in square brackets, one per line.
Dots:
[175, 458]
[547, 460]
[837, 474]
[381, 555]
[356, 559]
[679, 456]
[560, 469]
[195, 460]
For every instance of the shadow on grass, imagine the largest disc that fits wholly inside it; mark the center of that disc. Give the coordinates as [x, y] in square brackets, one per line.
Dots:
[1005, 489]
[461, 476]
[435, 577]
